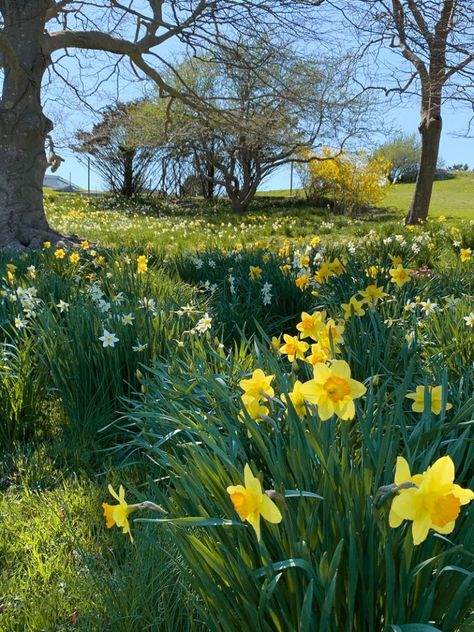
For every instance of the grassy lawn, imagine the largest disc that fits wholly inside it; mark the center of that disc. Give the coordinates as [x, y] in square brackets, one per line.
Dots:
[153, 358]
[452, 198]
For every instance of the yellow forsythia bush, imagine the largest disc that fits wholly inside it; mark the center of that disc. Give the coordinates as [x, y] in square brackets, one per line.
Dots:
[352, 180]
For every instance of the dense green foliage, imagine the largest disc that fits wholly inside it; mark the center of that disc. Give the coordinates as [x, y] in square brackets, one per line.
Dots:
[159, 410]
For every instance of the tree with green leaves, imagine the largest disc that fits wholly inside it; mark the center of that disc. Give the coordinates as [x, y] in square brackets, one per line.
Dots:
[403, 152]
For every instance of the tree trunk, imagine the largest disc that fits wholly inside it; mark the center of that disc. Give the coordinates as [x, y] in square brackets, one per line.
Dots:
[128, 184]
[23, 128]
[430, 131]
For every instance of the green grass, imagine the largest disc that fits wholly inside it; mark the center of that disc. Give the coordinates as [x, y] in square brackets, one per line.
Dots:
[453, 198]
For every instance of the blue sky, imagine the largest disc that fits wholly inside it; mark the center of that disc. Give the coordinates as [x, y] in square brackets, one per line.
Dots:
[454, 147]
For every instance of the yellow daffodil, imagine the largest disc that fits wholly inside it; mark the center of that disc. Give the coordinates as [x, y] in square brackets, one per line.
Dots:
[396, 260]
[433, 501]
[304, 261]
[319, 353]
[85, 244]
[302, 282]
[276, 343]
[311, 325]
[142, 264]
[333, 390]
[315, 241]
[74, 258]
[46, 245]
[258, 385]
[296, 399]
[332, 335]
[442, 218]
[254, 407]
[293, 347]
[400, 275]
[372, 271]
[418, 397]
[372, 294]
[324, 272]
[466, 254]
[353, 308]
[336, 267]
[118, 514]
[251, 503]
[60, 253]
[255, 273]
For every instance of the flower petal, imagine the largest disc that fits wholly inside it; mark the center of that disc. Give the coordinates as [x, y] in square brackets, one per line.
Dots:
[442, 471]
[254, 520]
[402, 471]
[269, 510]
[420, 529]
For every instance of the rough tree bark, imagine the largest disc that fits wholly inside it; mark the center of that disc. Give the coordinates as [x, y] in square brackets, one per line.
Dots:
[23, 127]
[430, 131]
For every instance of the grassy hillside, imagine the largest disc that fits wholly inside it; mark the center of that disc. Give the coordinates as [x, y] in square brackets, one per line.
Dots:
[453, 198]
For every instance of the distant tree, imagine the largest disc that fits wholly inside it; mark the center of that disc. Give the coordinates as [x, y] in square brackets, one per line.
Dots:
[403, 152]
[267, 104]
[436, 40]
[459, 167]
[124, 163]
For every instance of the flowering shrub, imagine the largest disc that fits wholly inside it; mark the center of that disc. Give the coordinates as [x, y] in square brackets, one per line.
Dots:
[351, 180]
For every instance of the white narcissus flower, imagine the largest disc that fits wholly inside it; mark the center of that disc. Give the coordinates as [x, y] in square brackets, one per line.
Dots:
[469, 319]
[127, 319]
[62, 306]
[204, 324]
[108, 339]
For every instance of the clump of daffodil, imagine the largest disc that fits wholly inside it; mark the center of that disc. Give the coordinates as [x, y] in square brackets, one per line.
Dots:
[297, 399]
[436, 394]
[142, 264]
[251, 503]
[333, 390]
[353, 308]
[311, 325]
[400, 275]
[430, 500]
[293, 347]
